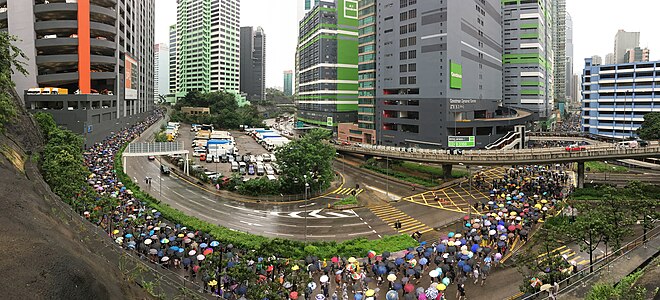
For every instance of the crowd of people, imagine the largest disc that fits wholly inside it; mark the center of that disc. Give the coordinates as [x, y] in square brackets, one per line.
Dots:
[463, 258]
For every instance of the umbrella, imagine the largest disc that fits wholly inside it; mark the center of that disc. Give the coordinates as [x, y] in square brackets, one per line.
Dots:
[382, 270]
[546, 287]
[355, 276]
[203, 245]
[148, 242]
[334, 259]
[432, 293]
[441, 287]
[165, 241]
[386, 255]
[192, 252]
[164, 259]
[392, 295]
[391, 277]
[369, 293]
[408, 288]
[371, 254]
[446, 281]
[399, 261]
[214, 243]
[293, 295]
[320, 297]
[295, 268]
[423, 261]
[352, 259]
[324, 279]
[397, 286]
[208, 251]
[200, 257]
[512, 228]
[434, 273]
[153, 251]
[312, 285]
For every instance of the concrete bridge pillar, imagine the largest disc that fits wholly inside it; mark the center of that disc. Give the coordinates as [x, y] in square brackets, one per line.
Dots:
[446, 171]
[580, 174]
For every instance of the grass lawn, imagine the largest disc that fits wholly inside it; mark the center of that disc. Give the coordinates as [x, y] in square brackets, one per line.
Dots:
[601, 167]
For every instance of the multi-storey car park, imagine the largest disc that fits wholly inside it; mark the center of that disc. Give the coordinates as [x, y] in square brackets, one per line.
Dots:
[616, 97]
[100, 50]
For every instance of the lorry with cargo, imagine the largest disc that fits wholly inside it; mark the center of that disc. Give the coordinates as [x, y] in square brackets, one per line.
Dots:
[47, 91]
[203, 135]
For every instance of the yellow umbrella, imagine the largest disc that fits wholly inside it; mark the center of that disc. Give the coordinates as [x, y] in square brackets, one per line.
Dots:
[544, 201]
[369, 293]
[295, 268]
[513, 213]
[538, 205]
[213, 283]
[441, 287]
[115, 231]
[352, 259]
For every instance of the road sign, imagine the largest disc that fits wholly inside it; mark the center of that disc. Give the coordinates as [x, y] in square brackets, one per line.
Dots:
[461, 141]
[329, 122]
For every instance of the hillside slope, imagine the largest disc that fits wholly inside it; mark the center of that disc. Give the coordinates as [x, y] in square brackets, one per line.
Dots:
[48, 252]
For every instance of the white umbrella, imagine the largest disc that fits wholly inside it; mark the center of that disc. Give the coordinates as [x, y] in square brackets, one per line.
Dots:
[324, 279]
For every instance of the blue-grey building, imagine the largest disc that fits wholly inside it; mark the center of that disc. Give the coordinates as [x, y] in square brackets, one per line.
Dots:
[616, 97]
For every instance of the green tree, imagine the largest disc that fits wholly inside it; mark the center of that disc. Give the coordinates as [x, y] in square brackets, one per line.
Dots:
[589, 228]
[650, 128]
[11, 58]
[306, 160]
[542, 260]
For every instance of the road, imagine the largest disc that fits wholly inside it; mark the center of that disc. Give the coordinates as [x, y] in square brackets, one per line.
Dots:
[289, 220]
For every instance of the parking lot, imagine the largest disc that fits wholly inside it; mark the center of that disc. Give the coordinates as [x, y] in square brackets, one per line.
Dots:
[246, 146]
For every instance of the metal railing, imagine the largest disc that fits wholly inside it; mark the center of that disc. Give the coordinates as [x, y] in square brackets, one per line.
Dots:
[555, 154]
[155, 148]
[503, 141]
[582, 276]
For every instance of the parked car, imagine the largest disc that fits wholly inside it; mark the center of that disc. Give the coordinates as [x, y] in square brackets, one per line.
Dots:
[251, 170]
[151, 157]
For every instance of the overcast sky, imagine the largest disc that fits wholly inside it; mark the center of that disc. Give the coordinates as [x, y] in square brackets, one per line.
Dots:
[595, 22]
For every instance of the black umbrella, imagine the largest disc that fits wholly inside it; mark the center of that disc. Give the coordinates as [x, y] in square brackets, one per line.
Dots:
[308, 259]
[386, 255]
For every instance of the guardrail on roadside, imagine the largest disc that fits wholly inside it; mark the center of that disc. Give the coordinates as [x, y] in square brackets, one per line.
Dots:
[582, 276]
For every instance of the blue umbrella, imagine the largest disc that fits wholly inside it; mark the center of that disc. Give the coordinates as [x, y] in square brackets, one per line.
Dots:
[174, 248]
[398, 261]
[409, 256]
[474, 247]
[214, 243]
[181, 250]
[467, 268]
[446, 281]
[423, 243]
[241, 290]
[451, 234]
[129, 235]
[461, 263]
[358, 296]
[423, 261]
[230, 264]
[397, 286]
[392, 295]
[382, 270]
[172, 238]
[203, 245]
[410, 272]
[441, 248]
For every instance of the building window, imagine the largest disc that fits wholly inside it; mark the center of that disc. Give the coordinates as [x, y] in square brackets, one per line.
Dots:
[412, 54]
[412, 80]
[403, 16]
[412, 27]
[403, 68]
[403, 80]
[403, 3]
[403, 29]
[412, 67]
[403, 55]
[412, 13]
[412, 41]
[403, 42]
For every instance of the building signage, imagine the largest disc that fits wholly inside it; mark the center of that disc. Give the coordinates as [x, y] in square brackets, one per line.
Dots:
[130, 78]
[461, 141]
[328, 122]
[459, 104]
[455, 76]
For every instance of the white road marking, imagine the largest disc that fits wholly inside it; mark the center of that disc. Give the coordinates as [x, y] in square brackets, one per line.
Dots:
[392, 196]
[354, 224]
[319, 226]
[360, 233]
[287, 225]
[251, 224]
[308, 205]
[275, 233]
[295, 215]
[315, 214]
[321, 236]
[337, 214]
[219, 211]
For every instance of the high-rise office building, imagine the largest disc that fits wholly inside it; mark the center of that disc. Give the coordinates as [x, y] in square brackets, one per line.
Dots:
[558, 19]
[288, 83]
[610, 59]
[101, 49]
[636, 55]
[207, 51]
[225, 45]
[253, 63]
[366, 75]
[528, 56]
[596, 60]
[616, 97]
[305, 6]
[439, 74]
[161, 70]
[569, 58]
[173, 70]
[623, 41]
[327, 64]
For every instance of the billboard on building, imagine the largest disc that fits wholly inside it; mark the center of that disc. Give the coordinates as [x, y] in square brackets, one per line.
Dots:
[461, 141]
[130, 78]
[455, 75]
[329, 122]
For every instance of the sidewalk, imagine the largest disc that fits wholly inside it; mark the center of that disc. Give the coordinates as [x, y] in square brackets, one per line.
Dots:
[618, 269]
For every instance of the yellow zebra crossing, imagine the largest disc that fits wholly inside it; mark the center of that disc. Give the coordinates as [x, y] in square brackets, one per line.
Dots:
[567, 254]
[390, 215]
[348, 191]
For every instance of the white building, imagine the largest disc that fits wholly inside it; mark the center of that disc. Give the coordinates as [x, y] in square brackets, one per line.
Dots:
[622, 42]
[161, 70]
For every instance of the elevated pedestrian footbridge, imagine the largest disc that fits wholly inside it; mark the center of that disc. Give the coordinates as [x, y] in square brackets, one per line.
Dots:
[505, 157]
[155, 149]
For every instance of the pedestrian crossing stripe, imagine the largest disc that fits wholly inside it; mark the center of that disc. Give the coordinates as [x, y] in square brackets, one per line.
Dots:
[347, 191]
[390, 215]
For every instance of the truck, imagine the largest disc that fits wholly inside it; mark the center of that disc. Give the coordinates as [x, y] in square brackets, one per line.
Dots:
[272, 143]
[47, 91]
[203, 135]
[221, 135]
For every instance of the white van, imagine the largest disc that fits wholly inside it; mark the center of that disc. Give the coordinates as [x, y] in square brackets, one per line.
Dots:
[198, 152]
[234, 166]
[260, 170]
[627, 144]
[242, 167]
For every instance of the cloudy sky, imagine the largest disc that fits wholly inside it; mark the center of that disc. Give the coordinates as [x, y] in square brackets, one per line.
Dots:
[595, 22]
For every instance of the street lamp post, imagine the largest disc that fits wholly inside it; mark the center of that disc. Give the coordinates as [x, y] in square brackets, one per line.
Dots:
[306, 187]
